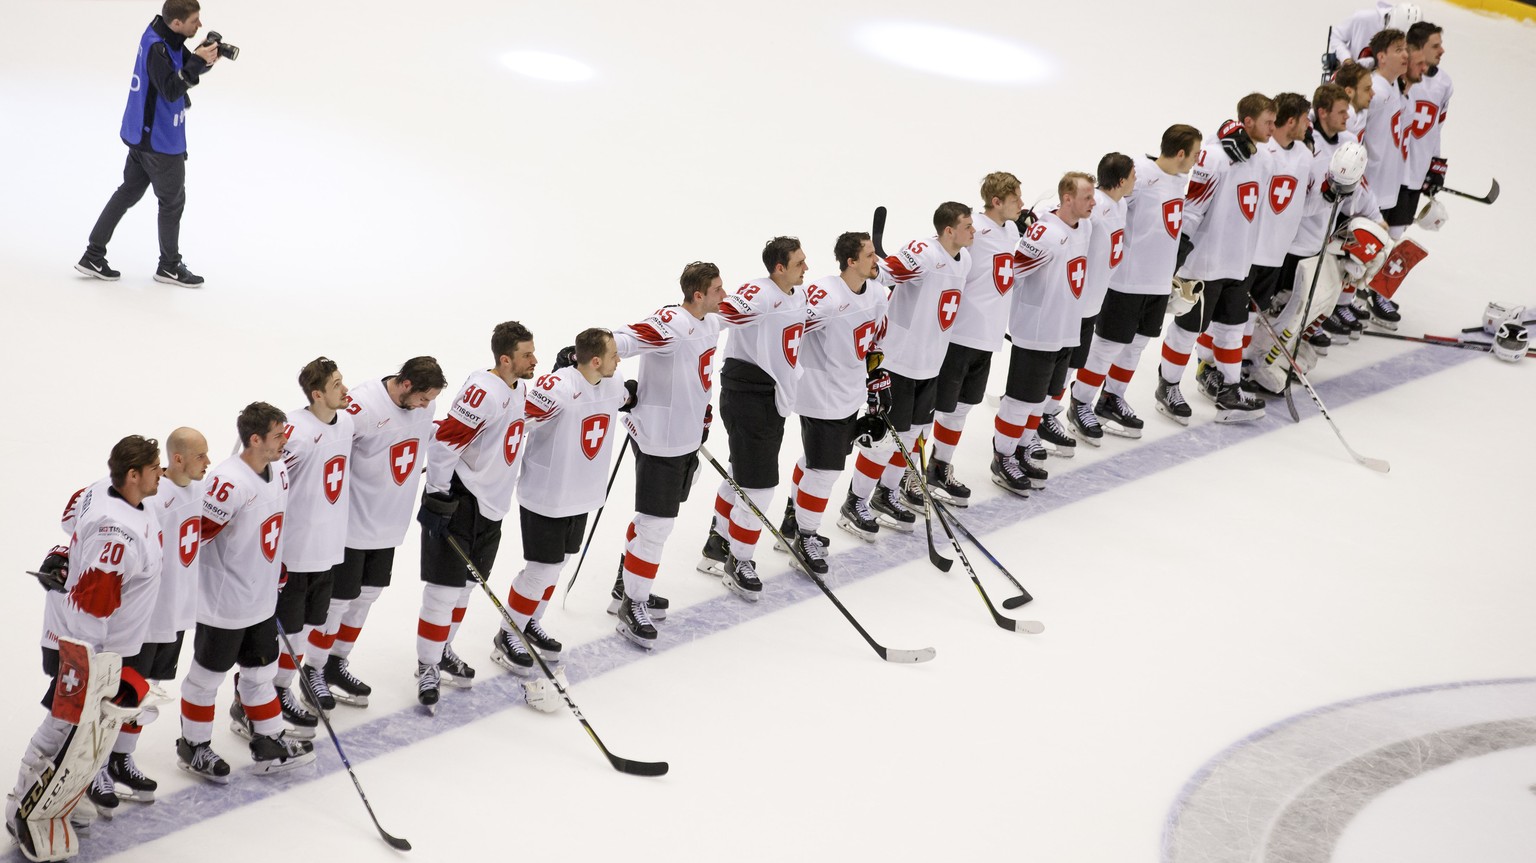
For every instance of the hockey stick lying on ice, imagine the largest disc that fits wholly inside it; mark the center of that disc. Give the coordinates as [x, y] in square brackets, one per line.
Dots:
[1033, 627]
[1375, 464]
[1443, 341]
[886, 653]
[595, 519]
[939, 561]
[394, 842]
[1493, 194]
[623, 765]
[1011, 602]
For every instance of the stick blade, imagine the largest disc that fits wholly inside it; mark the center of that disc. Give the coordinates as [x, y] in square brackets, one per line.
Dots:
[908, 656]
[395, 842]
[1028, 627]
[1013, 602]
[877, 231]
[1493, 193]
[1375, 464]
[638, 768]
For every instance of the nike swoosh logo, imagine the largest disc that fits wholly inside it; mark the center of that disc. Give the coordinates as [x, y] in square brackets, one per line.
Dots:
[317, 438]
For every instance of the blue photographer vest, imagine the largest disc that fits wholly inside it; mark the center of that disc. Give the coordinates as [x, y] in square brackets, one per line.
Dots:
[166, 124]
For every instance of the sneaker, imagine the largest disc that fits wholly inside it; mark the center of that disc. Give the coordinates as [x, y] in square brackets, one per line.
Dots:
[1025, 454]
[101, 795]
[635, 624]
[943, 485]
[1063, 445]
[1209, 379]
[1118, 417]
[1084, 423]
[716, 550]
[239, 722]
[509, 653]
[542, 641]
[128, 781]
[301, 722]
[97, 268]
[888, 507]
[345, 687]
[428, 686]
[1007, 476]
[315, 678]
[279, 753]
[454, 671]
[741, 579]
[1170, 402]
[178, 274]
[856, 518]
[1235, 406]
[655, 606]
[199, 759]
[1384, 312]
[811, 551]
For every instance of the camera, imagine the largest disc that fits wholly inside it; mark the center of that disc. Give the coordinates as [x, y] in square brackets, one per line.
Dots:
[226, 50]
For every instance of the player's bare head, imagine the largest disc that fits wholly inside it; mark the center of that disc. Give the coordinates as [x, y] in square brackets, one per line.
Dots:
[596, 350]
[421, 376]
[851, 249]
[1289, 106]
[1428, 37]
[1390, 48]
[1332, 104]
[1075, 190]
[1256, 112]
[179, 10]
[997, 187]
[1350, 73]
[1180, 140]
[134, 453]
[784, 255]
[696, 281]
[1114, 169]
[186, 453]
[257, 421]
[512, 346]
[316, 376]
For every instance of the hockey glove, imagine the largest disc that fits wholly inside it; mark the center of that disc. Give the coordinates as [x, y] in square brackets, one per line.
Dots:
[282, 577]
[1334, 194]
[436, 511]
[634, 389]
[1025, 220]
[1186, 245]
[878, 388]
[1434, 181]
[565, 358]
[131, 688]
[709, 420]
[54, 572]
[1236, 142]
[1330, 65]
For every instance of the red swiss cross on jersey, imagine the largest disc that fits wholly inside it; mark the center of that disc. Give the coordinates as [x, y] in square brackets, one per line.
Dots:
[333, 476]
[594, 430]
[1077, 274]
[271, 532]
[1116, 248]
[513, 441]
[707, 369]
[863, 339]
[1282, 189]
[1424, 113]
[949, 308]
[791, 339]
[188, 537]
[402, 460]
[1248, 200]
[1002, 272]
[1173, 216]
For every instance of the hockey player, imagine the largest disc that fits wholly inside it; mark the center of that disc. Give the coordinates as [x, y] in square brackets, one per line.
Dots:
[1220, 234]
[1138, 294]
[1351, 40]
[927, 279]
[571, 415]
[1116, 177]
[111, 572]
[472, 470]
[1050, 271]
[1356, 81]
[846, 311]
[1429, 100]
[391, 424]
[757, 393]
[243, 517]
[179, 505]
[670, 420]
[977, 333]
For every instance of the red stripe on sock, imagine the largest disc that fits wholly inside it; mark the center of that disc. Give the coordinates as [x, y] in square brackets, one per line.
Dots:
[1205, 341]
[346, 633]
[868, 468]
[320, 641]
[1090, 379]
[1061, 394]
[945, 435]
[744, 536]
[1233, 356]
[897, 459]
[285, 662]
[1174, 356]
[548, 592]
[642, 568]
[1121, 375]
[799, 475]
[630, 535]
[722, 508]
[197, 712]
[258, 712]
[1008, 429]
[431, 631]
[810, 502]
[1034, 422]
[458, 614]
[522, 604]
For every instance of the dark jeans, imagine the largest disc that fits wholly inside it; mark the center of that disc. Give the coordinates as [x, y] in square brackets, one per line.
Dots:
[168, 174]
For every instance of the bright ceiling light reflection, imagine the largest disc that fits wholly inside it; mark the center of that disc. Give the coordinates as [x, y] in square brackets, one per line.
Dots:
[954, 53]
[547, 67]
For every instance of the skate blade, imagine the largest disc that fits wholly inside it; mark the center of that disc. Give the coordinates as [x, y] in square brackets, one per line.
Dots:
[132, 796]
[748, 595]
[216, 780]
[455, 682]
[1183, 421]
[710, 566]
[1235, 417]
[1121, 431]
[103, 812]
[548, 656]
[429, 709]
[511, 666]
[283, 765]
[300, 732]
[1021, 492]
[240, 731]
[350, 700]
[944, 497]
[1386, 325]
[1059, 451]
[849, 527]
[644, 643]
[893, 524]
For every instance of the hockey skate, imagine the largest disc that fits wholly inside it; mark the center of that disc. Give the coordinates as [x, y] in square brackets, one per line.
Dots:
[199, 759]
[454, 671]
[301, 723]
[656, 606]
[314, 678]
[101, 794]
[280, 753]
[1208, 380]
[811, 550]
[1025, 456]
[428, 686]
[542, 641]
[1007, 476]
[889, 509]
[1320, 342]
[1054, 435]
[1117, 416]
[741, 579]
[943, 485]
[1384, 312]
[239, 722]
[788, 528]
[635, 624]
[509, 653]
[716, 550]
[128, 782]
[346, 688]
[856, 518]
[1084, 423]
[1235, 406]
[1170, 402]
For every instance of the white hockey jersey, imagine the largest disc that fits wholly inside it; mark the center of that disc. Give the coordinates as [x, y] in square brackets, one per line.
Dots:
[983, 315]
[114, 572]
[1154, 216]
[479, 440]
[1386, 141]
[926, 290]
[242, 544]
[180, 511]
[317, 456]
[1314, 220]
[571, 438]
[1427, 103]
[767, 326]
[389, 447]
[1353, 35]
[1221, 213]
[676, 377]
[840, 330]
[1050, 273]
[1290, 169]
[1106, 249]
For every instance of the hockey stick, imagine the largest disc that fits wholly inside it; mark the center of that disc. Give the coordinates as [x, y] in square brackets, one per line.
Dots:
[1375, 464]
[877, 231]
[1032, 627]
[1328, 51]
[1442, 341]
[939, 561]
[1493, 194]
[1011, 602]
[623, 765]
[596, 518]
[886, 653]
[394, 842]
[1307, 314]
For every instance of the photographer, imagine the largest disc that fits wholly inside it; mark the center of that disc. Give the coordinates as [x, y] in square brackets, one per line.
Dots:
[154, 128]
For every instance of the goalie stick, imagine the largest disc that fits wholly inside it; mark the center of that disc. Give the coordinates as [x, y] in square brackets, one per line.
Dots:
[623, 765]
[1442, 341]
[885, 653]
[1011, 602]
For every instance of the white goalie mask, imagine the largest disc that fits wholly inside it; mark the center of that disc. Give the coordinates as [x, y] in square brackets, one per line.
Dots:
[1498, 313]
[1511, 342]
[1432, 216]
[1402, 16]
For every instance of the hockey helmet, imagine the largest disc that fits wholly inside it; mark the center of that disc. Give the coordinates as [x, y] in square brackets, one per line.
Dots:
[1186, 293]
[1346, 167]
[1511, 341]
[1402, 16]
[868, 430]
[1498, 313]
[1432, 216]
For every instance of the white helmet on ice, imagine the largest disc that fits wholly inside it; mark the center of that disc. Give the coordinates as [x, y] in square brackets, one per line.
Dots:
[1402, 16]
[1511, 342]
[1498, 313]
[1346, 167]
[1432, 216]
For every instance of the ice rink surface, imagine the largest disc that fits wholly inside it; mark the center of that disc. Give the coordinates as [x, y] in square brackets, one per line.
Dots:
[1254, 649]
